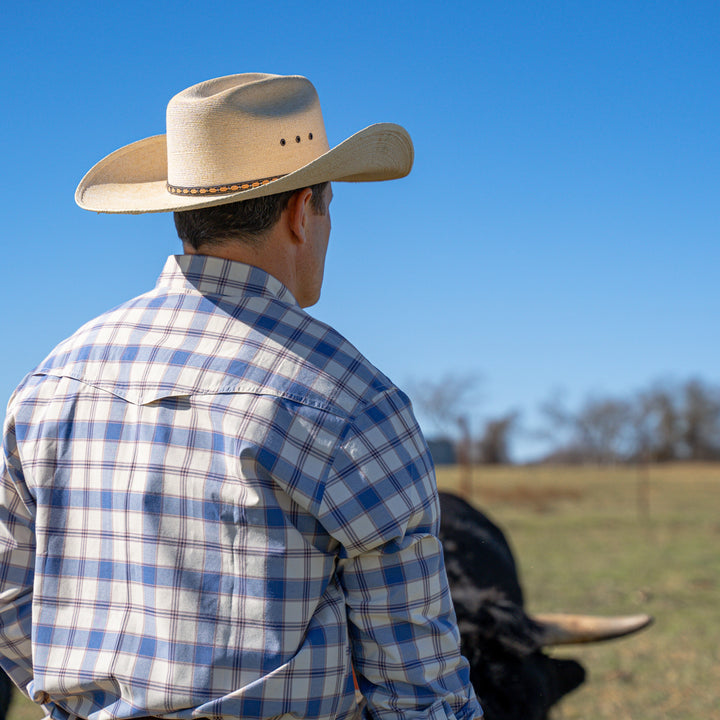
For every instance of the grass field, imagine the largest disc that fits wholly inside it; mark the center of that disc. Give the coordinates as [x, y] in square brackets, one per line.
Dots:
[588, 542]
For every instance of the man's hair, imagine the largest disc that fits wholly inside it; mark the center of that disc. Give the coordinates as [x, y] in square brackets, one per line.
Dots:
[246, 220]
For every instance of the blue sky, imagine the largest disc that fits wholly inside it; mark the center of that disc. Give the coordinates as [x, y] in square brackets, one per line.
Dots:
[559, 232]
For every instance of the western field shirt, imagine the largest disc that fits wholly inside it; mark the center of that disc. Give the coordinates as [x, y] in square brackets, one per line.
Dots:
[212, 505]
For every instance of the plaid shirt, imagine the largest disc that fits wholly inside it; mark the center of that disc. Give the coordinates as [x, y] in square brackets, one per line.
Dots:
[211, 505]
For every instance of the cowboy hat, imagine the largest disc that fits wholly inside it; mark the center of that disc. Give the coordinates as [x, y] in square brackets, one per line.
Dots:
[235, 138]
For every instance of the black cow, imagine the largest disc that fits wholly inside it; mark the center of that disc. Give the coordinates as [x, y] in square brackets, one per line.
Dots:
[6, 689]
[512, 677]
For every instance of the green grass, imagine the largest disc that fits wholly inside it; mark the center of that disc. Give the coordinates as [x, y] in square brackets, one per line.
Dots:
[586, 544]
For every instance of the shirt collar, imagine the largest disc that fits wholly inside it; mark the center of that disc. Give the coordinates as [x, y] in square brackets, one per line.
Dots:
[219, 277]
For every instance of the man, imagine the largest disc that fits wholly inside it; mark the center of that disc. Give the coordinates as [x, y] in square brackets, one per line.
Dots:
[212, 504]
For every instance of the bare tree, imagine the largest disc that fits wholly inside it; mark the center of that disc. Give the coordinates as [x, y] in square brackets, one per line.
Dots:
[448, 402]
[494, 443]
[600, 431]
[658, 426]
[701, 420]
[666, 421]
[679, 421]
[447, 399]
[603, 429]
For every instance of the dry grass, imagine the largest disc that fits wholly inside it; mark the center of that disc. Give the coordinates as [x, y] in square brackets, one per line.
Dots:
[587, 541]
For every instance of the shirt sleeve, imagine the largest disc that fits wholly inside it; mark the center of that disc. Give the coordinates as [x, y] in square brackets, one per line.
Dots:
[380, 502]
[17, 560]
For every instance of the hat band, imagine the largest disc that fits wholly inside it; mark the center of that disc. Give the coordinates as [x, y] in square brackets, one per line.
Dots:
[220, 189]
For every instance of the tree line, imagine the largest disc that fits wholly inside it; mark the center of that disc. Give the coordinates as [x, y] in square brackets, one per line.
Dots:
[665, 421]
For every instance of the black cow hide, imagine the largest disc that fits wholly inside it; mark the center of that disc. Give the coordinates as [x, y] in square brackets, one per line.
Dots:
[512, 677]
[6, 688]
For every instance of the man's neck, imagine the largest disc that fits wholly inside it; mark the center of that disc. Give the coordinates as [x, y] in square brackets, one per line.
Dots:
[270, 254]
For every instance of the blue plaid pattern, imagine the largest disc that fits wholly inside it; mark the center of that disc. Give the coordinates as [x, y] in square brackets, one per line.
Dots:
[211, 505]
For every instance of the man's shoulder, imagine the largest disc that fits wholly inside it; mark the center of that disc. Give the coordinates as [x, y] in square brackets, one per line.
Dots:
[92, 332]
[328, 362]
[66, 355]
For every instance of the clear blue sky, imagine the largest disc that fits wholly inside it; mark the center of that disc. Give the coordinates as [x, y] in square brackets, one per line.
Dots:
[560, 229]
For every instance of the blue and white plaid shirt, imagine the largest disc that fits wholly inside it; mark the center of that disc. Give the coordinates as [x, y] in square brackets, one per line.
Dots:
[211, 505]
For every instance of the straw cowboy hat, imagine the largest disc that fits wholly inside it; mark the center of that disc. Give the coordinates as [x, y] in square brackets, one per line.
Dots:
[235, 138]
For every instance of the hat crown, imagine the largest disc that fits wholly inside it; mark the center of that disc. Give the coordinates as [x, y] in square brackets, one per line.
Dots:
[243, 129]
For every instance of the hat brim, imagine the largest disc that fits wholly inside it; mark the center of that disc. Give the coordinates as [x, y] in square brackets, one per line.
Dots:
[133, 179]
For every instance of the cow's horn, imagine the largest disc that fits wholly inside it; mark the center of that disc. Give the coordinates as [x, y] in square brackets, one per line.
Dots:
[564, 629]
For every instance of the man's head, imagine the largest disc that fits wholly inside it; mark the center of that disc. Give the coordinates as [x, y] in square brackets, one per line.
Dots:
[286, 235]
[240, 165]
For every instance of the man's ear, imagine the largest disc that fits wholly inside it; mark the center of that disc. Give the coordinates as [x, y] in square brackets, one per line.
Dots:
[299, 208]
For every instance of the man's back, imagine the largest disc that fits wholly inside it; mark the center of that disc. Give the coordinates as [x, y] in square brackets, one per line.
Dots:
[218, 483]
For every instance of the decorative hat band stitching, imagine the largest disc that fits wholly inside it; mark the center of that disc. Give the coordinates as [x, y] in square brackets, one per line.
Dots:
[221, 189]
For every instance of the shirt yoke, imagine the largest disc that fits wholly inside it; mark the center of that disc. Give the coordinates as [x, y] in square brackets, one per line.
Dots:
[177, 341]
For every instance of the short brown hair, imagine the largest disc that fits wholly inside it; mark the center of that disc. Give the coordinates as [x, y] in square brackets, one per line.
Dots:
[245, 220]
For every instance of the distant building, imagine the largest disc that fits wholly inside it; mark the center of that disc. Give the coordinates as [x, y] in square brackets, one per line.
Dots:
[442, 451]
